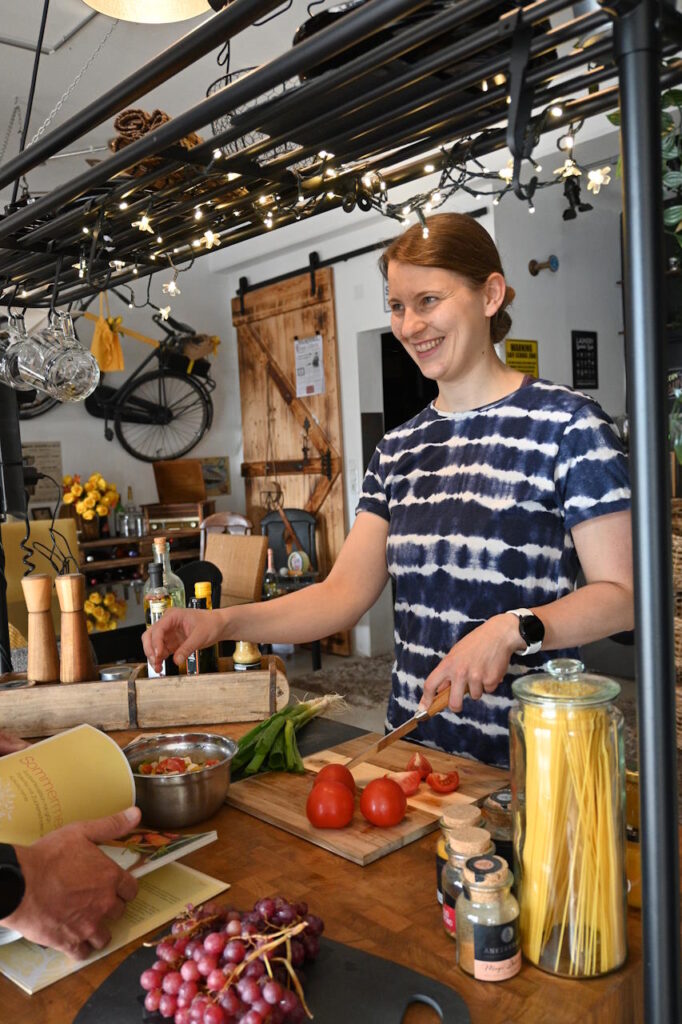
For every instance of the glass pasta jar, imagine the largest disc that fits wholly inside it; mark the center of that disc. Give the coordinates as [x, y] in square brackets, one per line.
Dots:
[568, 806]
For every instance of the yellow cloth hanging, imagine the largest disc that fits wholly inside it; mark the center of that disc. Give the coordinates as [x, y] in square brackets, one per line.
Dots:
[106, 344]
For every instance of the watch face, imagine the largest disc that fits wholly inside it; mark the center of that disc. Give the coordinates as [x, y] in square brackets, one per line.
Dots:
[531, 629]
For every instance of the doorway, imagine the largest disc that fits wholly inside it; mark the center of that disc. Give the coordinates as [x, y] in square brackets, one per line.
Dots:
[406, 390]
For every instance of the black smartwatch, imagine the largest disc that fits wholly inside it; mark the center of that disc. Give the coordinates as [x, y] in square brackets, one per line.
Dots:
[12, 884]
[531, 629]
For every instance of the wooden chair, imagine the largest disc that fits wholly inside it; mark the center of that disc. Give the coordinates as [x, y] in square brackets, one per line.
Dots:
[241, 560]
[223, 522]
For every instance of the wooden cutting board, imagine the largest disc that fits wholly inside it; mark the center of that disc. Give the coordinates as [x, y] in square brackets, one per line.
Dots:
[280, 798]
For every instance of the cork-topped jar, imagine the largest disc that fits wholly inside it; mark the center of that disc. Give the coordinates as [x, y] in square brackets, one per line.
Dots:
[488, 945]
[453, 817]
[464, 842]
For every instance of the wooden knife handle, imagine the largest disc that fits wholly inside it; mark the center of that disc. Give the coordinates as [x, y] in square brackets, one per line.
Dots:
[439, 702]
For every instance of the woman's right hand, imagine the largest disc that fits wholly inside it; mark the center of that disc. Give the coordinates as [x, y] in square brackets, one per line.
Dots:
[179, 632]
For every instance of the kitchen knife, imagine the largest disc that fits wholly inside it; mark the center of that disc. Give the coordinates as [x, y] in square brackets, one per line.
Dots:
[439, 703]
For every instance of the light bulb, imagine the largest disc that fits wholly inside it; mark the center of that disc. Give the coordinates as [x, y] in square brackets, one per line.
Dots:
[198, 213]
[429, 168]
[123, 205]
[556, 110]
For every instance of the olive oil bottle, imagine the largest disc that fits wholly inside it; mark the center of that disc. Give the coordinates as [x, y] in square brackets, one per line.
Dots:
[157, 601]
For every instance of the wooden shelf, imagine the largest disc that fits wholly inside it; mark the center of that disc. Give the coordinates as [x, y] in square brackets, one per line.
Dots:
[110, 542]
[122, 563]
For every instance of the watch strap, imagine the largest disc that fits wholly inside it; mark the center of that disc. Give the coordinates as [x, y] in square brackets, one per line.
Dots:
[530, 648]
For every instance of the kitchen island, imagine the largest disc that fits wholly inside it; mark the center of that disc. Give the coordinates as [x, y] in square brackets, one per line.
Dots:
[387, 908]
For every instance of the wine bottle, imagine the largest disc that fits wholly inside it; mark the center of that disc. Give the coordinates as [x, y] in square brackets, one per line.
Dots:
[157, 600]
[270, 586]
[204, 659]
[172, 583]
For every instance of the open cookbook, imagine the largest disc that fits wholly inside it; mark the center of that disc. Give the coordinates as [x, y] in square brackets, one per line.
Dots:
[79, 774]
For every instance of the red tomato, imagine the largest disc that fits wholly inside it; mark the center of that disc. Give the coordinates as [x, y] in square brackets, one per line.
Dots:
[383, 802]
[336, 773]
[419, 763]
[443, 783]
[171, 764]
[409, 782]
[145, 769]
[330, 805]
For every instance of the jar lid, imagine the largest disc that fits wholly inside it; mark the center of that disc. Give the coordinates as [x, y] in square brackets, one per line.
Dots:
[467, 841]
[497, 812]
[460, 814]
[486, 872]
[565, 683]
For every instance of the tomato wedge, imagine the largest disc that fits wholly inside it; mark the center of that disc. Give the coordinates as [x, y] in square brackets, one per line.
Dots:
[419, 763]
[409, 782]
[440, 782]
[171, 764]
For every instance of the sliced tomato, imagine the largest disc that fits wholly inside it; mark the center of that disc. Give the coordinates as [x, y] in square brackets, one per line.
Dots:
[171, 764]
[336, 773]
[409, 782]
[443, 782]
[419, 763]
[211, 761]
[146, 768]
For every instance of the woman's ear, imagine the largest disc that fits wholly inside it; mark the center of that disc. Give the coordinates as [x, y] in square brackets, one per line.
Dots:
[494, 291]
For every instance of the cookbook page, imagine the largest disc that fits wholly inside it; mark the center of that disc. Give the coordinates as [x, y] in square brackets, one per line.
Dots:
[75, 775]
[161, 896]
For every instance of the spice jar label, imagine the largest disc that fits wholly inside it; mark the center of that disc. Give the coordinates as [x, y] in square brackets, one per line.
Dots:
[449, 916]
[497, 953]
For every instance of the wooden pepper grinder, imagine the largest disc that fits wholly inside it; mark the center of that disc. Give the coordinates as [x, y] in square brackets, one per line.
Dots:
[43, 658]
[76, 659]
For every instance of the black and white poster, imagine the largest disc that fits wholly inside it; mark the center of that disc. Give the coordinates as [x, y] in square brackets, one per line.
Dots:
[585, 372]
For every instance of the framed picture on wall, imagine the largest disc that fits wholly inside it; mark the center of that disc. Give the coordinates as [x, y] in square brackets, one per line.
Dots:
[41, 512]
[584, 352]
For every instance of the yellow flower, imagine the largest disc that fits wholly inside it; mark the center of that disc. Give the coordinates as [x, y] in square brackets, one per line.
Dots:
[89, 515]
[100, 613]
[80, 507]
[89, 487]
[69, 498]
[102, 510]
[109, 599]
[89, 625]
[102, 484]
[111, 624]
[67, 480]
[90, 501]
[77, 489]
[88, 607]
[96, 597]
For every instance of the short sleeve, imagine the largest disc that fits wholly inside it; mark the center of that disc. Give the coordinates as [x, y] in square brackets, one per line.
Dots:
[373, 497]
[591, 474]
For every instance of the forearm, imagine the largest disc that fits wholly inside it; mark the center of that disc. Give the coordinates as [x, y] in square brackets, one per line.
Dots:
[309, 614]
[593, 612]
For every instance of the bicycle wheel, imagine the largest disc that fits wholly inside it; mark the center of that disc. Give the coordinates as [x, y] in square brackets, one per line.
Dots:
[163, 415]
[30, 408]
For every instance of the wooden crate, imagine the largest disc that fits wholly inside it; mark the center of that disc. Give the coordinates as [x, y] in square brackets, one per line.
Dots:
[224, 696]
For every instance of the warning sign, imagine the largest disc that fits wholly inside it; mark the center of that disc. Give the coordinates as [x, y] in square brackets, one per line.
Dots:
[522, 355]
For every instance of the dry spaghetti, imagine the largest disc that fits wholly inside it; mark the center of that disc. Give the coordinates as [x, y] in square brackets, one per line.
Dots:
[567, 759]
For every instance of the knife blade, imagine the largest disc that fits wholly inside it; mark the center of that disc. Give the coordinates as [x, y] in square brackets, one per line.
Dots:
[438, 704]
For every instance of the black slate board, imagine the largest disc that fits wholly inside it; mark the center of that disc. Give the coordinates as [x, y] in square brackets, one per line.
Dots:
[343, 985]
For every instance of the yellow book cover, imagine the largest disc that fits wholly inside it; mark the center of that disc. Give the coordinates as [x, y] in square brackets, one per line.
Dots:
[161, 896]
[75, 775]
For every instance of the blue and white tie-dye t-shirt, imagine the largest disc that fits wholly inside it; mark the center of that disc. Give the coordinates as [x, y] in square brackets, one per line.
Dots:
[480, 505]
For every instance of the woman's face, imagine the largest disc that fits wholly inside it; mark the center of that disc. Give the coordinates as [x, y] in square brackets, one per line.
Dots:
[440, 319]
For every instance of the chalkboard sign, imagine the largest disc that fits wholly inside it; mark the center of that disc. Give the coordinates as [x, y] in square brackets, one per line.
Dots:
[585, 372]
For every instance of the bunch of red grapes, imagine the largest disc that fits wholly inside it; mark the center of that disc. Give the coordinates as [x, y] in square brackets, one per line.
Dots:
[223, 966]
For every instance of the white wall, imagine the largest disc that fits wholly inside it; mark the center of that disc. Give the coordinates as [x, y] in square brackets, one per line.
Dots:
[583, 294]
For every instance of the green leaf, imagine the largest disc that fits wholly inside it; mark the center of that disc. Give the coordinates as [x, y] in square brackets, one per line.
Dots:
[667, 122]
[672, 215]
[672, 179]
[669, 146]
[614, 118]
[671, 98]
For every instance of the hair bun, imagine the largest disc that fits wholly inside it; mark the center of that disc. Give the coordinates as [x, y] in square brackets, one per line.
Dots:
[509, 295]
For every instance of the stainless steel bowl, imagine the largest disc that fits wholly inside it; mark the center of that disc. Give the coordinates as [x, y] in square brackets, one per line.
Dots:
[173, 801]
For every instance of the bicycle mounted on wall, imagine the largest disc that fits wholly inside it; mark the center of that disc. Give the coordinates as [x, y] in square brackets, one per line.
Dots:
[159, 414]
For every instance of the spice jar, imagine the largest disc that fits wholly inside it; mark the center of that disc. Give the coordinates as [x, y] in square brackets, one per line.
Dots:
[633, 853]
[567, 763]
[453, 817]
[488, 921]
[464, 842]
[497, 818]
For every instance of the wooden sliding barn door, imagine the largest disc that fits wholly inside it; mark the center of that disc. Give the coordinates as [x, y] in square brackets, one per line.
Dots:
[277, 425]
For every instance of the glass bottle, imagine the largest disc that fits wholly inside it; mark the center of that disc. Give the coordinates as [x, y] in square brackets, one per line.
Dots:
[246, 656]
[568, 806]
[204, 591]
[133, 520]
[497, 818]
[270, 579]
[157, 600]
[173, 583]
[633, 854]
[488, 921]
[203, 659]
[464, 842]
[453, 817]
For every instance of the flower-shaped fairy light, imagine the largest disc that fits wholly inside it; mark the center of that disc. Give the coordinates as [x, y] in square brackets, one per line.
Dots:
[597, 177]
[507, 172]
[568, 169]
[165, 312]
[144, 224]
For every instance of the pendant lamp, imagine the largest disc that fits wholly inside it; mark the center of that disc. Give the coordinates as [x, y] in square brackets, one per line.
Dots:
[153, 12]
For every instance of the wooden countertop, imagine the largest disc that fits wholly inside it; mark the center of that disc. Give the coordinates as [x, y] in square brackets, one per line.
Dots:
[388, 909]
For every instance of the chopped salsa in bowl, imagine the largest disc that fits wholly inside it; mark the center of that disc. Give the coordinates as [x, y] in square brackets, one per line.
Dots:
[174, 766]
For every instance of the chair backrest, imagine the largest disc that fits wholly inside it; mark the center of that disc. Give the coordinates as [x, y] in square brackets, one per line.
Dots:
[223, 522]
[242, 563]
[196, 572]
[303, 524]
[12, 535]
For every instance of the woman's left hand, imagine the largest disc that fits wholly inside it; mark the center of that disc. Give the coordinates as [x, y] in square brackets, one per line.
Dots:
[477, 663]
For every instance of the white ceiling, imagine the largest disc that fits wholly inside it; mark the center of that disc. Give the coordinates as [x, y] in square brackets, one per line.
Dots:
[127, 49]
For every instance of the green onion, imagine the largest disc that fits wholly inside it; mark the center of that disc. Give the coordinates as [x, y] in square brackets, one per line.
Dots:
[271, 745]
